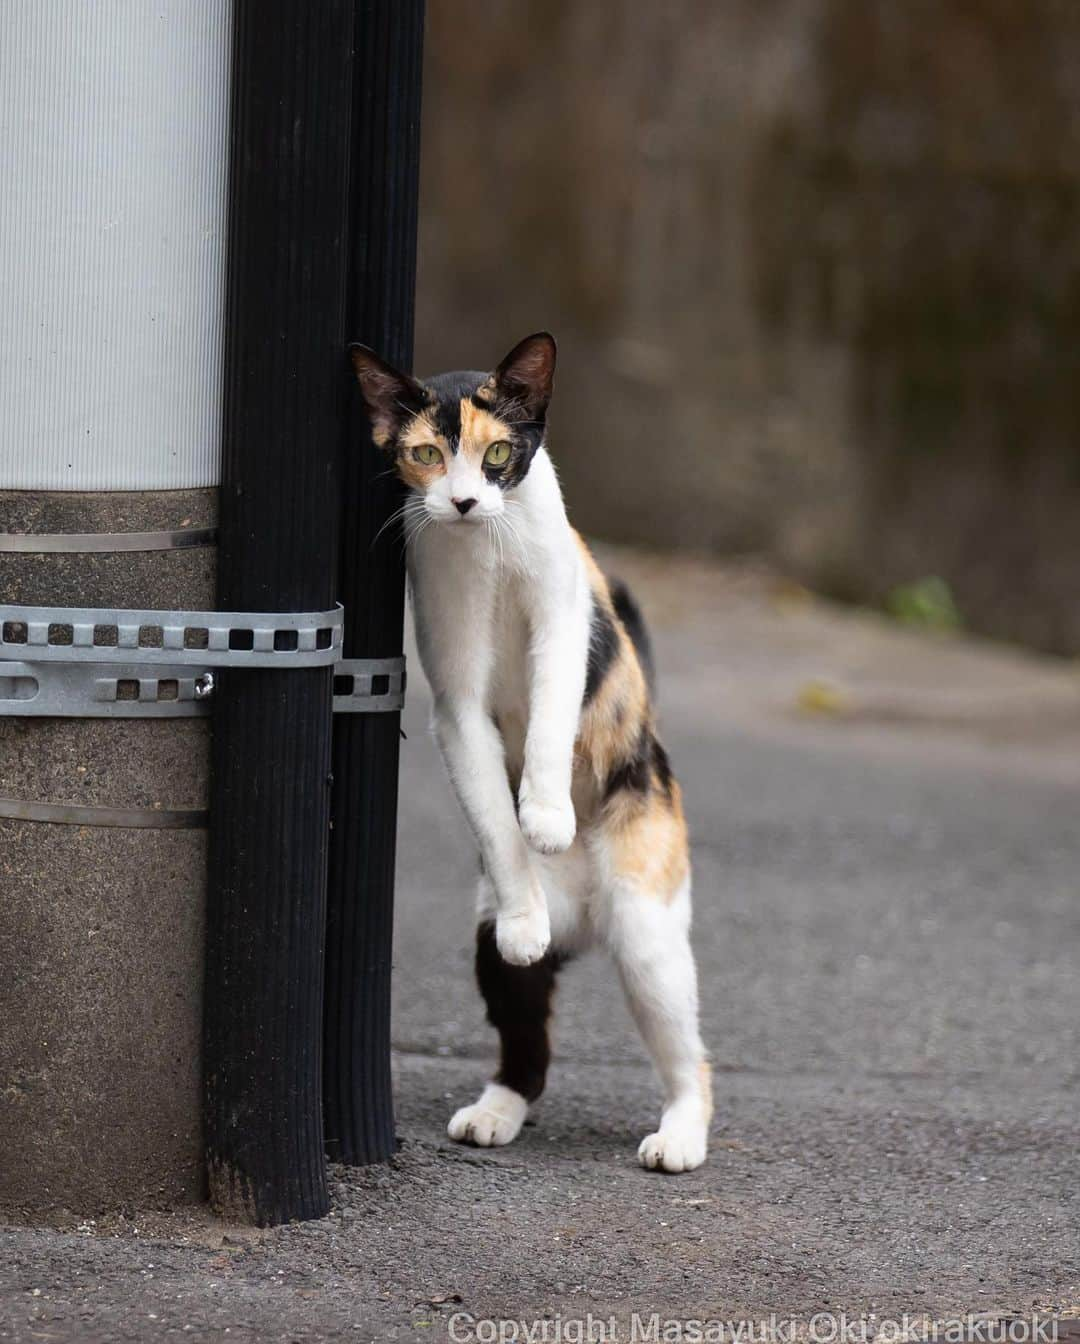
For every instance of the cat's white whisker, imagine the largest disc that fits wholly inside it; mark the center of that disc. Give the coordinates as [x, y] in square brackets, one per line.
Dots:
[416, 521]
[526, 563]
[515, 536]
[497, 533]
[398, 513]
[415, 524]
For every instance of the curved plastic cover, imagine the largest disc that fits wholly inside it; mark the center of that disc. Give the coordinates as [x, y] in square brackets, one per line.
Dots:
[113, 138]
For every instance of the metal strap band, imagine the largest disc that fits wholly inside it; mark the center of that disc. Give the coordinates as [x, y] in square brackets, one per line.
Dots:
[369, 685]
[112, 691]
[137, 690]
[69, 814]
[187, 638]
[83, 543]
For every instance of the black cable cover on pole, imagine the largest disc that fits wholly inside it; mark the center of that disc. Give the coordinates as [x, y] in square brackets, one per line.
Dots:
[284, 408]
[385, 168]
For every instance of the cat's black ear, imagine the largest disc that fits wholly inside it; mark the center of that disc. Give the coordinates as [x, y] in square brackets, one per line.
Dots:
[527, 373]
[391, 397]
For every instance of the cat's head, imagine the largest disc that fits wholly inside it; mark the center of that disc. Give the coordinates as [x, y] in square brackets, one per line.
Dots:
[461, 441]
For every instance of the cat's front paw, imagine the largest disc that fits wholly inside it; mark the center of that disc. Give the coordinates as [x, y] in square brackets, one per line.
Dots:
[674, 1147]
[548, 827]
[523, 939]
[492, 1121]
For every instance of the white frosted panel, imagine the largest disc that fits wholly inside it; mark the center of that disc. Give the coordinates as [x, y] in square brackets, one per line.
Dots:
[113, 132]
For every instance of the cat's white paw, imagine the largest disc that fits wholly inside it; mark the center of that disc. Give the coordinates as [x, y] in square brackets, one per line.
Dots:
[492, 1121]
[523, 939]
[548, 827]
[678, 1146]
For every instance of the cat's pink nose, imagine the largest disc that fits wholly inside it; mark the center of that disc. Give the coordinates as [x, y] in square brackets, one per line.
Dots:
[463, 505]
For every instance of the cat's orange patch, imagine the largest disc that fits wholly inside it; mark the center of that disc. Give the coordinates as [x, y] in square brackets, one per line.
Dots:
[645, 828]
[480, 428]
[649, 844]
[612, 721]
[705, 1082]
[420, 431]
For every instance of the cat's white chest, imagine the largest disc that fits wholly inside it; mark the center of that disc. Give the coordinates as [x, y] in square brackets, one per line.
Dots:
[509, 690]
[508, 694]
[472, 624]
[489, 603]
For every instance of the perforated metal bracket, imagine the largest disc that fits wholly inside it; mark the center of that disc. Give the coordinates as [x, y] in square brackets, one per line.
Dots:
[369, 685]
[136, 690]
[89, 662]
[180, 638]
[104, 691]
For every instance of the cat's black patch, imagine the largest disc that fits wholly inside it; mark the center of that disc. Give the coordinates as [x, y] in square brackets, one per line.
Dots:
[526, 436]
[632, 775]
[603, 650]
[661, 768]
[518, 1000]
[448, 391]
[523, 445]
[629, 613]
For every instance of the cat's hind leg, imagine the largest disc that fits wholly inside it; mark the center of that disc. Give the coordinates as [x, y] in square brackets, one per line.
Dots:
[641, 877]
[649, 939]
[518, 1000]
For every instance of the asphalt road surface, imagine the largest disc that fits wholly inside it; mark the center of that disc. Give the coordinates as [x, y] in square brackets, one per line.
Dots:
[887, 918]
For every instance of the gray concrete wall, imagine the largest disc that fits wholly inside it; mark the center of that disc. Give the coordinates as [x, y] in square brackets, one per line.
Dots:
[813, 265]
[101, 929]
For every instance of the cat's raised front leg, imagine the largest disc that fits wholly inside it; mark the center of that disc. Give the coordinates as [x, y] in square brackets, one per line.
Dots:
[473, 751]
[558, 654]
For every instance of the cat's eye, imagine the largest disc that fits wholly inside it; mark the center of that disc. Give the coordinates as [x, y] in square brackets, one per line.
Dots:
[428, 454]
[497, 455]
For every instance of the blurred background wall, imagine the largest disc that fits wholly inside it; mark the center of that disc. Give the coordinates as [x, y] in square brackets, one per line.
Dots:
[814, 268]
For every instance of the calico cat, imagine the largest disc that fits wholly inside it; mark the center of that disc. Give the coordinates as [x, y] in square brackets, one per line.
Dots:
[542, 677]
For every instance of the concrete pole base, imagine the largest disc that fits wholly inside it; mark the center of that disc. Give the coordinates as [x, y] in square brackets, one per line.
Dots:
[102, 928]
